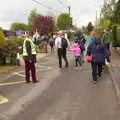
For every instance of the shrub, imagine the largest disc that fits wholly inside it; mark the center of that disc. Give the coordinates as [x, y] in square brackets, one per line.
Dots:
[2, 39]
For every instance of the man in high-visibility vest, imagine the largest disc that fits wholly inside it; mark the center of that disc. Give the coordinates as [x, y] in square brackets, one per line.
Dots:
[29, 55]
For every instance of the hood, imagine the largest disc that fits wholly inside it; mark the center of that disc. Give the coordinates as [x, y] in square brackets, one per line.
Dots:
[75, 45]
[97, 41]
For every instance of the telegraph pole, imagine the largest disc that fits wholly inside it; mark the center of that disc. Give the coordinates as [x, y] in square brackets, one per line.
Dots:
[69, 10]
[96, 19]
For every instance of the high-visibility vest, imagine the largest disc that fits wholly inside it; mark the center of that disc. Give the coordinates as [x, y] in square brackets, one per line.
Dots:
[33, 48]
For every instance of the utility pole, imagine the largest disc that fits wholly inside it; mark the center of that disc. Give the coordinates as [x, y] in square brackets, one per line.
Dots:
[69, 10]
[96, 19]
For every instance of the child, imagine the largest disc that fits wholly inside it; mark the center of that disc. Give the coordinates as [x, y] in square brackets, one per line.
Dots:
[76, 52]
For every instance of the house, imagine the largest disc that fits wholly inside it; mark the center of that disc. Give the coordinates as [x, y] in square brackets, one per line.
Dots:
[9, 33]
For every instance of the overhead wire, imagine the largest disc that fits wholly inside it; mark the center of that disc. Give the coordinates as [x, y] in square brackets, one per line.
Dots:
[40, 3]
[60, 2]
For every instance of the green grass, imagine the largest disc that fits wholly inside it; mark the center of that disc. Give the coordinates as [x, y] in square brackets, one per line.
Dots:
[6, 68]
[1, 98]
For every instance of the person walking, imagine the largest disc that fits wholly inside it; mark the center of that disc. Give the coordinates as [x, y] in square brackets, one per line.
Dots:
[29, 55]
[61, 43]
[51, 43]
[81, 42]
[77, 53]
[92, 38]
[98, 52]
[107, 40]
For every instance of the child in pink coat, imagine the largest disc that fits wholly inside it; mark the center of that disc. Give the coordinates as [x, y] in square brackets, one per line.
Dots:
[76, 52]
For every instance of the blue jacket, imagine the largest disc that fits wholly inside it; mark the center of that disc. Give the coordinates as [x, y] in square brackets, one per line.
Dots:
[98, 51]
[91, 40]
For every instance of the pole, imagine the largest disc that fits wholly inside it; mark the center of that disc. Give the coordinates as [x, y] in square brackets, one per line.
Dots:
[96, 18]
[69, 10]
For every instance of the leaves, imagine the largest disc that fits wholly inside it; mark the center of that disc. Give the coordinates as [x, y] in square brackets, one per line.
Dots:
[90, 27]
[64, 21]
[2, 39]
[31, 18]
[116, 16]
[19, 26]
[44, 24]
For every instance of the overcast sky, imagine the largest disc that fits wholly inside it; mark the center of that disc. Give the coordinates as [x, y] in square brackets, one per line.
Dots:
[82, 11]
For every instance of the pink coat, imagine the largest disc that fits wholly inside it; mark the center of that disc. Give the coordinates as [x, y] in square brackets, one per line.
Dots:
[76, 49]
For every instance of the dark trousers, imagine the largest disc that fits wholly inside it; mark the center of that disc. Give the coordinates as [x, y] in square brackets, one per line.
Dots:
[78, 60]
[30, 66]
[62, 54]
[52, 47]
[96, 70]
[109, 52]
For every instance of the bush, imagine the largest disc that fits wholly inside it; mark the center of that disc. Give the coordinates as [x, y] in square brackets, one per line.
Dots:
[2, 39]
[116, 36]
[10, 49]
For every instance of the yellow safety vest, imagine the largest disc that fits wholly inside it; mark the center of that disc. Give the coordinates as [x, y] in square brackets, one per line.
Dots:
[32, 47]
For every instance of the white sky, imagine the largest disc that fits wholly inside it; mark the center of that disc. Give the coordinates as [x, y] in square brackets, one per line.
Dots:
[82, 11]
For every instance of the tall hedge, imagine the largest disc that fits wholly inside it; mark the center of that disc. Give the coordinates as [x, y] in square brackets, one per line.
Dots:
[116, 36]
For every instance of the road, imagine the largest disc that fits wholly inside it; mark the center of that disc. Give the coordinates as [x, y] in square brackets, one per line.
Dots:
[61, 94]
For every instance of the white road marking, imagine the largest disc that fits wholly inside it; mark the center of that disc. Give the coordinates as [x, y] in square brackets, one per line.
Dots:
[3, 100]
[36, 91]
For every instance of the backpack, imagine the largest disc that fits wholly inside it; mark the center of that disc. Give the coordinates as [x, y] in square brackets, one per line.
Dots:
[81, 44]
[64, 43]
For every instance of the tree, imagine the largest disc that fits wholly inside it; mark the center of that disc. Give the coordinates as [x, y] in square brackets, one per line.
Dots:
[44, 24]
[64, 21]
[19, 26]
[2, 39]
[31, 18]
[116, 16]
[90, 27]
[2, 43]
[84, 30]
[107, 11]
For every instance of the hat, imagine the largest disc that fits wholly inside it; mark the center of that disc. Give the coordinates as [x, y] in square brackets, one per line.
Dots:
[61, 34]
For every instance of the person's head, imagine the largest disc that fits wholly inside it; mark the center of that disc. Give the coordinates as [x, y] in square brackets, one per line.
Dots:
[61, 35]
[93, 34]
[76, 41]
[97, 36]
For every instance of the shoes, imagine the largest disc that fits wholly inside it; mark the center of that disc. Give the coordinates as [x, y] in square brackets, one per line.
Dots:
[94, 81]
[27, 82]
[60, 66]
[66, 66]
[35, 81]
[99, 74]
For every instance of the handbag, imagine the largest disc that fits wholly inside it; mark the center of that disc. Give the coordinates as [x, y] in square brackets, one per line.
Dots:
[22, 63]
[89, 58]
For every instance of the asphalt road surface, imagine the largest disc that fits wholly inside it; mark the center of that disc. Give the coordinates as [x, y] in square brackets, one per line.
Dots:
[61, 94]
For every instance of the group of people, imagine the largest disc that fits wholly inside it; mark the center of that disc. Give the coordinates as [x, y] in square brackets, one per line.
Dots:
[62, 44]
[97, 50]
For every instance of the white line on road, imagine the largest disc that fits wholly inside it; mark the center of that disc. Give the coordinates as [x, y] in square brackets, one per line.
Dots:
[35, 92]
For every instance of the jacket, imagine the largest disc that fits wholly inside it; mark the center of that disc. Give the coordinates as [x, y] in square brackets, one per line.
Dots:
[91, 40]
[76, 49]
[29, 52]
[58, 42]
[98, 52]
